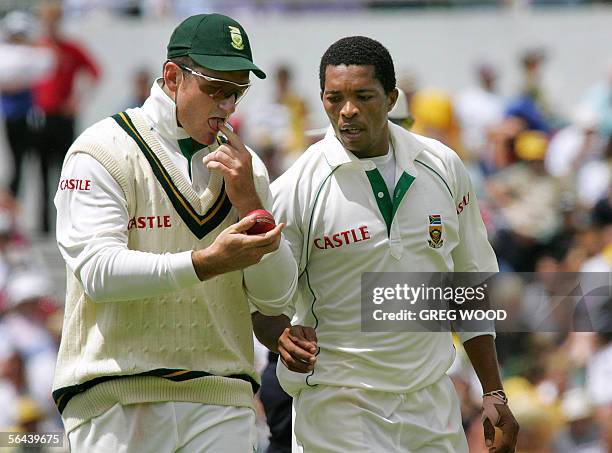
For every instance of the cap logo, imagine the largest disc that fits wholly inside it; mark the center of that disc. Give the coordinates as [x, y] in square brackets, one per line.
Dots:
[237, 42]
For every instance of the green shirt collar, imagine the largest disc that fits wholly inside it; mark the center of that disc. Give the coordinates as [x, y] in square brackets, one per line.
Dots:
[189, 147]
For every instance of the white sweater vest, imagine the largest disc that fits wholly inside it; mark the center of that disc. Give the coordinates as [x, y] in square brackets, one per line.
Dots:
[184, 345]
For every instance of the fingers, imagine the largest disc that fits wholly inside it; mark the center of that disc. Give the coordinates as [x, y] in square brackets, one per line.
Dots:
[243, 225]
[296, 353]
[232, 138]
[269, 240]
[293, 365]
[308, 333]
[306, 345]
[272, 235]
[223, 156]
[256, 245]
[509, 426]
[489, 432]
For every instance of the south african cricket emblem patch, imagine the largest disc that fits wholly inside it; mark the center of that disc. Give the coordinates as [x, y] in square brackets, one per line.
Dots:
[435, 231]
[237, 42]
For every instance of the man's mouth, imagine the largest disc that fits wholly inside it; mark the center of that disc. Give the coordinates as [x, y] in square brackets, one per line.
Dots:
[215, 123]
[351, 131]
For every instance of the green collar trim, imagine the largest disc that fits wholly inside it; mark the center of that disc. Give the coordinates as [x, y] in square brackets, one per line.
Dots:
[189, 147]
[199, 224]
[386, 205]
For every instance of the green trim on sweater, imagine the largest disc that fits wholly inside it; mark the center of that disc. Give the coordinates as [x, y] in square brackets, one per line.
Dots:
[215, 390]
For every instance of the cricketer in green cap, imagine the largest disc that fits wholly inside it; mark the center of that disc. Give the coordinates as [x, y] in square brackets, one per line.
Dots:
[214, 41]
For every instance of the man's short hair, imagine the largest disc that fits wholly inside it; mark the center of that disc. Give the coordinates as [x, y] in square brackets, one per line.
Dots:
[185, 60]
[361, 51]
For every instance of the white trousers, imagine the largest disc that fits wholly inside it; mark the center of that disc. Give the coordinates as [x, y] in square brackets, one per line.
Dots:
[342, 419]
[168, 427]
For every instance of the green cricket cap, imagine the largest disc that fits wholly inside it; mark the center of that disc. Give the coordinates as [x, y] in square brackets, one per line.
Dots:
[214, 41]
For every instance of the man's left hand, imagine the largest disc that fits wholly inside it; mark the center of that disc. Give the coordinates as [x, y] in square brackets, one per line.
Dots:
[496, 413]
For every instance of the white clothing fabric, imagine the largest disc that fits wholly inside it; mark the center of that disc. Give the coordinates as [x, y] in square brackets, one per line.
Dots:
[344, 419]
[599, 370]
[39, 353]
[477, 110]
[177, 427]
[565, 147]
[24, 63]
[337, 232]
[593, 182]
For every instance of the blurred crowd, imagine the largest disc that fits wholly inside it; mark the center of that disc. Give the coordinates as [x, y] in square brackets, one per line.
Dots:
[183, 8]
[543, 181]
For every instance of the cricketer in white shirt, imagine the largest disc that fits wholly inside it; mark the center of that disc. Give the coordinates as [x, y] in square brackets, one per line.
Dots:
[374, 391]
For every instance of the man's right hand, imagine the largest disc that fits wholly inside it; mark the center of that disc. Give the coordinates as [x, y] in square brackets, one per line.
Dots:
[297, 347]
[234, 250]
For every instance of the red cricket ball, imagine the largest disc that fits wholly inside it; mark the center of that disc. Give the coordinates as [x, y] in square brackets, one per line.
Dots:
[264, 222]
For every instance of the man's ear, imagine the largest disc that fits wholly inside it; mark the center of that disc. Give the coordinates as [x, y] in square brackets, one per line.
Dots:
[172, 76]
[392, 99]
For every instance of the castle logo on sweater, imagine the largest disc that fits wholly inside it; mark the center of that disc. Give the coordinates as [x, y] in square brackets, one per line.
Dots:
[150, 222]
[75, 184]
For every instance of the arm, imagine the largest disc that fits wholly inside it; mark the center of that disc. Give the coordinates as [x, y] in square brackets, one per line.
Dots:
[88, 64]
[268, 329]
[295, 345]
[271, 283]
[482, 355]
[87, 78]
[475, 254]
[92, 238]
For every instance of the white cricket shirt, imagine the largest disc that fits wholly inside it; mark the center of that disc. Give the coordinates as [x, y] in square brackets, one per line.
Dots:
[329, 200]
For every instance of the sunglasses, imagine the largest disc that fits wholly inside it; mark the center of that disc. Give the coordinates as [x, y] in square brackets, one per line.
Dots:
[218, 94]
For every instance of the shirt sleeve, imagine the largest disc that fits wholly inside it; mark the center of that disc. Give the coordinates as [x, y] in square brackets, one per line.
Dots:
[271, 283]
[92, 219]
[474, 252]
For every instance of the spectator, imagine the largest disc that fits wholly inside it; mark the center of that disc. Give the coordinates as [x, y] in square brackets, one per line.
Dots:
[574, 145]
[24, 322]
[400, 113]
[478, 108]
[21, 64]
[599, 98]
[580, 435]
[58, 99]
[528, 199]
[279, 127]
[141, 87]
[434, 117]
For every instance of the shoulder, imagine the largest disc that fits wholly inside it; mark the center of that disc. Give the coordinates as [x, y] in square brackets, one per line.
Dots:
[105, 132]
[259, 168]
[442, 159]
[435, 149]
[310, 168]
[100, 131]
[106, 140]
